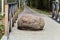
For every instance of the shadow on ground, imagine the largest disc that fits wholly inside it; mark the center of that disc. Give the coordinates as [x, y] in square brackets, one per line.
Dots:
[28, 29]
[55, 20]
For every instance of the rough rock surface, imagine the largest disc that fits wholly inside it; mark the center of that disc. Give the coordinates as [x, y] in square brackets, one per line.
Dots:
[31, 21]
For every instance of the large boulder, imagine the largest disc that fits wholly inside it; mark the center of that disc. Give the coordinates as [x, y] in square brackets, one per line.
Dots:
[31, 22]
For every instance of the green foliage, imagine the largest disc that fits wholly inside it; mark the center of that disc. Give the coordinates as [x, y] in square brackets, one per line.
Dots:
[42, 11]
[1, 26]
[40, 4]
[0, 35]
[21, 5]
[0, 5]
[1, 17]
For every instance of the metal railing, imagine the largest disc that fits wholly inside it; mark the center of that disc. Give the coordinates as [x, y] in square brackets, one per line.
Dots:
[12, 15]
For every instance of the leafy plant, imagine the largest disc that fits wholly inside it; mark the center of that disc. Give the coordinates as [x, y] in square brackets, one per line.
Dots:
[1, 30]
[1, 17]
[1, 27]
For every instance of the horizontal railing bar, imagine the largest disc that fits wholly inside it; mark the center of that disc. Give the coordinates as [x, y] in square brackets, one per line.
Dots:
[13, 3]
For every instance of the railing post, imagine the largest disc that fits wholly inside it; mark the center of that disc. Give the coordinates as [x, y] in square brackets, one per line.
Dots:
[2, 7]
[6, 20]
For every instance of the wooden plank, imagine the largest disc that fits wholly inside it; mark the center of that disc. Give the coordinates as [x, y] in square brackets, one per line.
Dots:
[6, 19]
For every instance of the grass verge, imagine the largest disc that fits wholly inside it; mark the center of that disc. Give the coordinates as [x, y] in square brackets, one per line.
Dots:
[42, 11]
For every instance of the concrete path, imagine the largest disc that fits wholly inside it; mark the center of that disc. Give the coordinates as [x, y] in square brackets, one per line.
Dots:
[51, 30]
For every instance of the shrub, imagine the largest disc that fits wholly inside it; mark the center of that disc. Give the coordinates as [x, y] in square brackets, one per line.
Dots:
[1, 17]
[1, 27]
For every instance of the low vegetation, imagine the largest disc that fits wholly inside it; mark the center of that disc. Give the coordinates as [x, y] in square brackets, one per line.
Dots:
[1, 17]
[1, 30]
[42, 11]
[21, 6]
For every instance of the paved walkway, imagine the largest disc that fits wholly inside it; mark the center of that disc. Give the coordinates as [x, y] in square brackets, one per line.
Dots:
[51, 30]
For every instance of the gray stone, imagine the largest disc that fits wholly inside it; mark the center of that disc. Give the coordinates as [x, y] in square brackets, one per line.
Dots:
[31, 21]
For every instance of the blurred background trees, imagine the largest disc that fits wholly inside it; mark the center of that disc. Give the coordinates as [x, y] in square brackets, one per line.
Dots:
[41, 4]
[0, 5]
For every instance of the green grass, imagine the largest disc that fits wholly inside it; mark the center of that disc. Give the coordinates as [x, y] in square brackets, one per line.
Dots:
[0, 35]
[42, 11]
[1, 28]
[1, 17]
